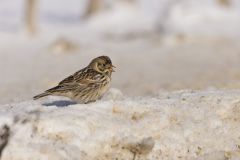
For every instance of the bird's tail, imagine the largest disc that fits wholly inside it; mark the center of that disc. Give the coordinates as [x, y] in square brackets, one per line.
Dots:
[53, 91]
[41, 95]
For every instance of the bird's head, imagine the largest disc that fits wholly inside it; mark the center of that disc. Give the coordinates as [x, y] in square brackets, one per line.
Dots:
[102, 64]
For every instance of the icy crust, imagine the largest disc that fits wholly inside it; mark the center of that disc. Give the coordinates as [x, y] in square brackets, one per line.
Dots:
[189, 125]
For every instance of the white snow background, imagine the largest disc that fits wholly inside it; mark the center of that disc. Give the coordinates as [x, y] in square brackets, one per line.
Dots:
[178, 125]
[175, 93]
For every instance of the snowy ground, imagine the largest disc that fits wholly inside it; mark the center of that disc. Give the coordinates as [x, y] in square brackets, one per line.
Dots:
[189, 125]
[178, 80]
[144, 66]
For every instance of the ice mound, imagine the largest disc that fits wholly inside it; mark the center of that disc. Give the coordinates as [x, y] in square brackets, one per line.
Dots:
[189, 125]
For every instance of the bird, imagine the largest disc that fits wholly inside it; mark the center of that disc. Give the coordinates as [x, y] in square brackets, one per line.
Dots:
[86, 85]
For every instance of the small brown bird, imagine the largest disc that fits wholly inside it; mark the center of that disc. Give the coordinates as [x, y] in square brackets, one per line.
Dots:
[87, 85]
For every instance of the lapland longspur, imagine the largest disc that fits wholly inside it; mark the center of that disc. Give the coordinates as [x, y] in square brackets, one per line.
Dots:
[87, 85]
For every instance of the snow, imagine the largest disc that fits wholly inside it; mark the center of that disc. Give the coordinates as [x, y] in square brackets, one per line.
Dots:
[173, 125]
[203, 18]
[144, 66]
[190, 17]
[114, 20]
[177, 77]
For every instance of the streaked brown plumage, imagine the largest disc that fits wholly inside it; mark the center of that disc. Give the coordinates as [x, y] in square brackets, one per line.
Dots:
[86, 85]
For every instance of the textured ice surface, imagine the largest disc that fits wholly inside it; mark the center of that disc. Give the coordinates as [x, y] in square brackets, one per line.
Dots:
[191, 125]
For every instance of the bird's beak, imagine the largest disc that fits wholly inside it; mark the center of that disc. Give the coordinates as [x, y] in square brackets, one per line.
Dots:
[112, 68]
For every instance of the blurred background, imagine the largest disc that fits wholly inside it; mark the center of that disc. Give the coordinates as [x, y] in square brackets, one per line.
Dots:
[156, 45]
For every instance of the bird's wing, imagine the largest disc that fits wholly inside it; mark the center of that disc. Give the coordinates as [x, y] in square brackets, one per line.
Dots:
[83, 77]
[81, 80]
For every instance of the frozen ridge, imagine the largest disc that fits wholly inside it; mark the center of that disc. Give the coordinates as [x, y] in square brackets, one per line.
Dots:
[188, 125]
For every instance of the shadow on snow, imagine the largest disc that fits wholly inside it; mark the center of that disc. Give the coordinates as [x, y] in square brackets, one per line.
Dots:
[60, 103]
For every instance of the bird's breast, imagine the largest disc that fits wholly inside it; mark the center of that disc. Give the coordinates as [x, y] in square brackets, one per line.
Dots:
[105, 85]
